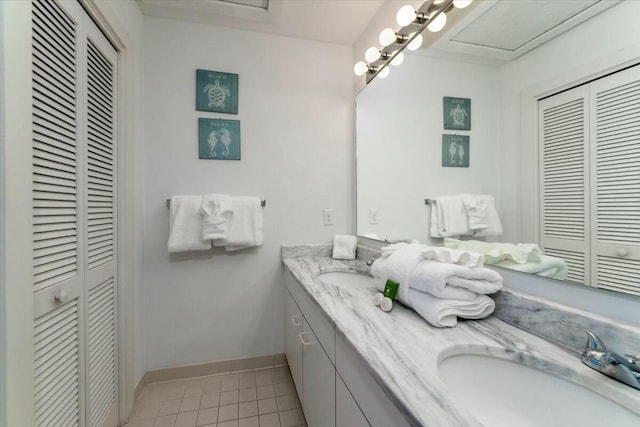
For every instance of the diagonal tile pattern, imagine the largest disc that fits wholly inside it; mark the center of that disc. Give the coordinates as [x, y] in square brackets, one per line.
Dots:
[259, 398]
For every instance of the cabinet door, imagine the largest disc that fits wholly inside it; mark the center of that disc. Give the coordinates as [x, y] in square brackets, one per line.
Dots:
[293, 328]
[319, 381]
[348, 413]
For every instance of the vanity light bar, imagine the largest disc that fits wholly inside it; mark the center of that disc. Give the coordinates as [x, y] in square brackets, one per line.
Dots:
[424, 15]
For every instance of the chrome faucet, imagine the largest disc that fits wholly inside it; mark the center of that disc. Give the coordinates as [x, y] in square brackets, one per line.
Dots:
[625, 369]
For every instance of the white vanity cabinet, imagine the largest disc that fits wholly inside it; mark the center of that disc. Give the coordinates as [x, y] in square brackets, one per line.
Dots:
[334, 387]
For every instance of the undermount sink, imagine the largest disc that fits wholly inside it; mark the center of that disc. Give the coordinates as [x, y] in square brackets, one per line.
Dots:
[500, 392]
[347, 278]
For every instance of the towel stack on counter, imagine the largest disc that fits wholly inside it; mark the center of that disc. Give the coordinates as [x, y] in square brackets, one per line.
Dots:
[440, 284]
[197, 222]
[465, 215]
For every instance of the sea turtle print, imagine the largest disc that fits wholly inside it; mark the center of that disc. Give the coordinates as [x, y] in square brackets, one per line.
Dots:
[458, 115]
[217, 94]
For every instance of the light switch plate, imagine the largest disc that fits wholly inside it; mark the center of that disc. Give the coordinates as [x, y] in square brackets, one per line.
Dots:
[373, 216]
[328, 216]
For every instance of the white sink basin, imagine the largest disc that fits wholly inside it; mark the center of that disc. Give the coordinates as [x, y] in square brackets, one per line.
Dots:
[347, 279]
[500, 392]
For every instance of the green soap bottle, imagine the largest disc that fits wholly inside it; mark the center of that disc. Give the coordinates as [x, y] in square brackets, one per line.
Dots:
[391, 289]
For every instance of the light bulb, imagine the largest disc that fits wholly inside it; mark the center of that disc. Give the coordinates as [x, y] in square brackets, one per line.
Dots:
[405, 15]
[387, 36]
[438, 23]
[360, 68]
[384, 73]
[372, 54]
[415, 43]
[398, 59]
[461, 4]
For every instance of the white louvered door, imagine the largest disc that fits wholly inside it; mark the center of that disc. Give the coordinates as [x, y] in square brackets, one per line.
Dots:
[74, 227]
[615, 165]
[563, 129]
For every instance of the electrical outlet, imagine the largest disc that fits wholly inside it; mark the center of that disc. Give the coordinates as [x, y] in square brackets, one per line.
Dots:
[373, 216]
[328, 216]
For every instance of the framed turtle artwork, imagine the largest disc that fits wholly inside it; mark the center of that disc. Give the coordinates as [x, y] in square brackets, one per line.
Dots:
[216, 92]
[219, 139]
[457, 113]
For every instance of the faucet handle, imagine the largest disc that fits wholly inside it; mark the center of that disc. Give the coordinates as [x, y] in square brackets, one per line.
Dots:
[594, 343]
[633, 360]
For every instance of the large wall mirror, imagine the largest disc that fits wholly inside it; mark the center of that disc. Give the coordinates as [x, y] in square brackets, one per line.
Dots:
[509, 57]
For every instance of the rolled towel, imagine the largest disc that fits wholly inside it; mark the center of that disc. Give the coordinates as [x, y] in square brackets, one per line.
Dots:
[397, 266]
[217, 210]
[185, 222]
[453, 281]
[344, 247]
[454, 256]
[445, 312]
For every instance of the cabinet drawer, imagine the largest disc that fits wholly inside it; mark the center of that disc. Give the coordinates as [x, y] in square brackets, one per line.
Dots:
[317, 321]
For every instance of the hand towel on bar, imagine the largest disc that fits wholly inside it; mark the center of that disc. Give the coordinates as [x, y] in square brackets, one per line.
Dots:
[344, 247]
[476, 207]
[216, 213]
[491, 218]
[245, 227]
[398, 265]
[453, 256]
[444, 312]
[452, 219]
[453, 281]
[186, 225]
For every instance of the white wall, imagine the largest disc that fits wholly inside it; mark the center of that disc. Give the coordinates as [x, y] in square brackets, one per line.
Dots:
[400, 127]
[296, 113]
[598, 44]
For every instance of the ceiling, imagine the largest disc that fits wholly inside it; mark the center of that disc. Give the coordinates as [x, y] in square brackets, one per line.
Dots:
[331, 21]
[499, 31]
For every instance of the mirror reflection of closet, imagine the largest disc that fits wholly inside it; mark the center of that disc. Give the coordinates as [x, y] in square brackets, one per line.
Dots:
[399, 126]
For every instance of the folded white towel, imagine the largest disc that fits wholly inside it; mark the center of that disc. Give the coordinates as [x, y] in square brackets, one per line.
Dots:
[186, 225]
[453, 281]
[476, 207]
[547, 266]
[397, 265]
[495, 252]
[454, 256]
[216, 214]
[245, 227]
[344, 247]
[444, 312]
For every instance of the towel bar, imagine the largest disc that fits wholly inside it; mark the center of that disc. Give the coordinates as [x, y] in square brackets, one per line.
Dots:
[263, 203]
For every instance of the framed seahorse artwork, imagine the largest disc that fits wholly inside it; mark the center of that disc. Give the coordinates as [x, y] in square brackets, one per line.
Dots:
[216, 92]
[455, 151]
[457, 113]
[219, 139]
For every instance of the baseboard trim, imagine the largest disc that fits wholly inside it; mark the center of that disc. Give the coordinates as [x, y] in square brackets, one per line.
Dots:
[210, 368]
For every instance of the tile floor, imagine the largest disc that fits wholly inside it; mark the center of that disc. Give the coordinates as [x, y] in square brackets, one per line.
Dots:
[260, 398]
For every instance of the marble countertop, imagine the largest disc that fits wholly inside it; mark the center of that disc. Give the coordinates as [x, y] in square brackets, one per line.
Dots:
[402, 351]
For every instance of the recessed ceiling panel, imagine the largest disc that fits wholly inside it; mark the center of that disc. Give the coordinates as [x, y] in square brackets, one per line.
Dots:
[511, 24]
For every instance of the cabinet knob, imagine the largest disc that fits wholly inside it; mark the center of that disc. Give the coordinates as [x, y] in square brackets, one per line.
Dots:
[61, 296]
[294, 321]
[622, 252]
[302, 339]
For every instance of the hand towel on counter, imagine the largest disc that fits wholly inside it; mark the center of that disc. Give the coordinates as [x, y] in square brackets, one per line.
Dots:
[453, 256]
[547, 266]
[444, 312]
[344, 247]
[454, 281]
[186, 225]
[245, 226]
[216, 214]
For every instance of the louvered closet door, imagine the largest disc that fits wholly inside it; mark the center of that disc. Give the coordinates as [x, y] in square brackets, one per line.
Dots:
[563, 130]
[100, 256]
[57, 223]
[74, 264]
[615, 162]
